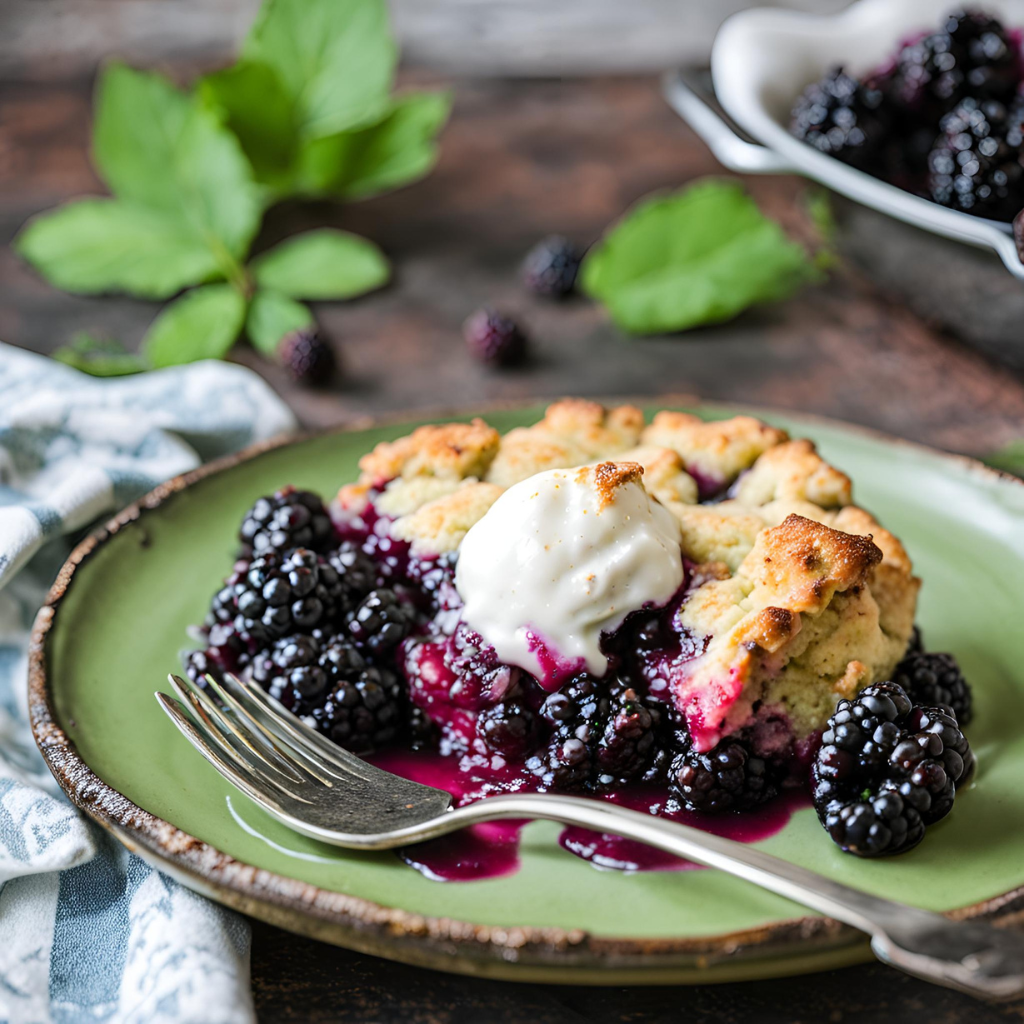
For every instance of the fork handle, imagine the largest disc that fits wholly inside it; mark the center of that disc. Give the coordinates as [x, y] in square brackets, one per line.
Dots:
[971, 956]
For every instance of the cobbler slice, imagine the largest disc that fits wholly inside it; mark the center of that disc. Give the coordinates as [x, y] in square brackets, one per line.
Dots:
[588, 603]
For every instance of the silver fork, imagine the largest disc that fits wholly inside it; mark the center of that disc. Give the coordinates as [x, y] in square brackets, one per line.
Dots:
[317, 788]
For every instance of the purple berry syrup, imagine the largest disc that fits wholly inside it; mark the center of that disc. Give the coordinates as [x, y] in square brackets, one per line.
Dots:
[492, 850]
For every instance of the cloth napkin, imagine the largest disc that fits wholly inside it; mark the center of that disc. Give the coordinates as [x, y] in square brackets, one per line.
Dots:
[89, 932]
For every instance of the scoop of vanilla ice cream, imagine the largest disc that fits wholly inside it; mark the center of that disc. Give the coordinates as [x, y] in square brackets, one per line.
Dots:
[562, 557]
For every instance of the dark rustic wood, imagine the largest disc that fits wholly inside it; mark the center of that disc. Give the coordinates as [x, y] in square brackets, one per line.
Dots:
[296, 979]
[522, 159]
[488, 37]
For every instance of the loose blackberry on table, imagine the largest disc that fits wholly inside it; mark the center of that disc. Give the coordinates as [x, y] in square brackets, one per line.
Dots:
[886, 770]
[495, 338]
[307, 357]
[551, 267]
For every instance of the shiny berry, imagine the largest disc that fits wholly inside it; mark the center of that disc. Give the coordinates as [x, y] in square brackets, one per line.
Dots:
[495, 338]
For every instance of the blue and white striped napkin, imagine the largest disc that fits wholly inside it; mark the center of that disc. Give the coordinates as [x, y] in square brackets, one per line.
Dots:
[88, 932]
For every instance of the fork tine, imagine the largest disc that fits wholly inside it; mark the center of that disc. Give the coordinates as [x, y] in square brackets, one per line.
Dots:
[291, 730]
[225, 763]
[253, 727]
[198, 699]
[208, 719]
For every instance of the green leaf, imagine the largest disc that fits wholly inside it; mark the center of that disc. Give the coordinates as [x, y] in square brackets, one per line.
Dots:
[253, 103]
[271, 316]
[336, 59]
[202, 324]
[101, 357]
[693, 257]
[399, 149]
[1010, 458]
[157, 147]
[100, 245]
[322, 264]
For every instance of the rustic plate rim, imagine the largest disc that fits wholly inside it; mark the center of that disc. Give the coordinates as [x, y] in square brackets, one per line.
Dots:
[514, 953]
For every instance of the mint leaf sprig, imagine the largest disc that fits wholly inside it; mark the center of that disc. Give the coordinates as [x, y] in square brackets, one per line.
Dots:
[308, 111]
[697, 256]
[310, 102]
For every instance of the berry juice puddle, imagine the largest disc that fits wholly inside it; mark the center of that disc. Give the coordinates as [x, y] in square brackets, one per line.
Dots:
[491, 850]
[366, 638]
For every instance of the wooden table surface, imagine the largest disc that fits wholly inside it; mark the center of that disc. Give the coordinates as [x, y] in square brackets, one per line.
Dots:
[520, 160]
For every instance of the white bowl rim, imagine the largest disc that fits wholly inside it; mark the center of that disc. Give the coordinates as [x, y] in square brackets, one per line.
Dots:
[737, 74]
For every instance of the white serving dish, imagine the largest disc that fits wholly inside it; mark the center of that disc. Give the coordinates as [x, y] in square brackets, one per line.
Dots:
[763, 57]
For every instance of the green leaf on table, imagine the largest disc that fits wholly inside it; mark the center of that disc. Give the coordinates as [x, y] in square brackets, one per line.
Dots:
[698, 256]
[335, 58]
[101, 357]
[399, 149]
[202, 324]
[271, 316]
[1010, 458]
[101, 245]
[322, 264]
[160, 148]
[253, 103]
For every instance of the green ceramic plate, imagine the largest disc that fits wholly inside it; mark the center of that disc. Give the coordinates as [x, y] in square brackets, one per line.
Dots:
[117, 620]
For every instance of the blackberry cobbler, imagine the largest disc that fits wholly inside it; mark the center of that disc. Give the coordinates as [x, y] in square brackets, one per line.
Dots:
[595, 604]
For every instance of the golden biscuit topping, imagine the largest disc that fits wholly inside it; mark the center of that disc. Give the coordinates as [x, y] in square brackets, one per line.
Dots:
[801, 596]
[802, 563]
[453, 450]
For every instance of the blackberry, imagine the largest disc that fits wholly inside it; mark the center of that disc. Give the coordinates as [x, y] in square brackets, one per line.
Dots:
[494, 338]
[933, 679]
[356, 573]
[340, 659]
[915, 645]
[284, 521]
[291, 672]
[509, 728]
[550, 267]
[422, 731]
[276, 596]
[839, 116]
[381, 621]
[361, 714]
[970, 53]
[727, 778]
[886, 770]
[481, 678]
[307, 357]
[671, 738]
[975, 164]
[199, 664]
[601, 734]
